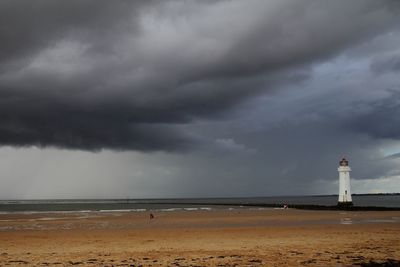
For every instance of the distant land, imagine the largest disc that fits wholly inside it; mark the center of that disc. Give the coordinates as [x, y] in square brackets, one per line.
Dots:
[377, 194]
[364, 194]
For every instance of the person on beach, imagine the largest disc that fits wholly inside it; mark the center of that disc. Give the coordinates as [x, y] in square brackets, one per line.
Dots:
[151, 216]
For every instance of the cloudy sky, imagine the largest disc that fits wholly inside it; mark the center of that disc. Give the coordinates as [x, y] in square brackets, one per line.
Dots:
[148, 99]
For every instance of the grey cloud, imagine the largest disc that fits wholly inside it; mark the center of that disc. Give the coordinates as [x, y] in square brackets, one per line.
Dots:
[126, 75]
[28, 27]
[289, 160]
[388, 63]
[380, 119]
[394, 156]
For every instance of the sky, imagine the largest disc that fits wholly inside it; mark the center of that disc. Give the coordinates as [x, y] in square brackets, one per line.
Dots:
[169, 99]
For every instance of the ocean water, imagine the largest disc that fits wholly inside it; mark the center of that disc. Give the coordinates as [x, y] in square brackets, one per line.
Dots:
[138, 205]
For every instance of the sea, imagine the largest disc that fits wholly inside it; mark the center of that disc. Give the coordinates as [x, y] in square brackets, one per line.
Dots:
[184, 204]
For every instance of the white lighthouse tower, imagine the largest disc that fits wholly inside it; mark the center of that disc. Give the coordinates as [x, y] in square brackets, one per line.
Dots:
[344, 184]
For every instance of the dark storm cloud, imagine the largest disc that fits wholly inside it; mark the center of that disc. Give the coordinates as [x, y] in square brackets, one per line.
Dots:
[127, 74]
[381, 119]
[28, 27]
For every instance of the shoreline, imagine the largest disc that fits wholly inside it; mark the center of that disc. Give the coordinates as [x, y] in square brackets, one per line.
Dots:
[193, 206]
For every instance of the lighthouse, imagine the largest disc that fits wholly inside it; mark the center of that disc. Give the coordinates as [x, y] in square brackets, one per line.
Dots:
[344, 184]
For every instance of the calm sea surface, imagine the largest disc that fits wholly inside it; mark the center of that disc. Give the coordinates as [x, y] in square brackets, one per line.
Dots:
[101, 205]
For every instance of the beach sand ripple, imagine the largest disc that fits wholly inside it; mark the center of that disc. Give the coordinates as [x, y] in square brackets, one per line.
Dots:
[202, 238]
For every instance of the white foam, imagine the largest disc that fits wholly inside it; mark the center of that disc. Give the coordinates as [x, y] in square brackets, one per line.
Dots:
[124, 210]
[190, 209]
[171, 209]
[346, 221]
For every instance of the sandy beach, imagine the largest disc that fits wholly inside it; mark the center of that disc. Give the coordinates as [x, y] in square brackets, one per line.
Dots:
[267, 237]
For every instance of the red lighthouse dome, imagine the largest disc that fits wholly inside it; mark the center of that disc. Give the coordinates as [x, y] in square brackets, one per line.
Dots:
[344, 162]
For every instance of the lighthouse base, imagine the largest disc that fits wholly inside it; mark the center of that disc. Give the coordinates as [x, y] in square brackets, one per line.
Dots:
[344, 205]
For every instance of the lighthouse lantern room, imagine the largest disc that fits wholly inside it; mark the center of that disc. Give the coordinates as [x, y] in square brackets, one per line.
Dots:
[344, 184]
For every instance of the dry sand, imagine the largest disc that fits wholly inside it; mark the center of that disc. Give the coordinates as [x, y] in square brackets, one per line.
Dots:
[201, 238]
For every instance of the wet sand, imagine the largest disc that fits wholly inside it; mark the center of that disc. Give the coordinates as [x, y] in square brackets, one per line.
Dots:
[201, 238]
